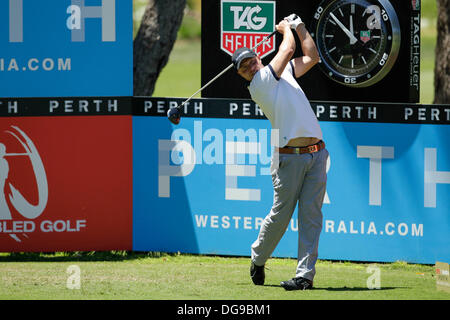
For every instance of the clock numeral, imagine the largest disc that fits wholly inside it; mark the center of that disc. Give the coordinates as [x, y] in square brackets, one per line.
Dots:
[383, 59]
[384, 15]
[318, 13]
[349, 80]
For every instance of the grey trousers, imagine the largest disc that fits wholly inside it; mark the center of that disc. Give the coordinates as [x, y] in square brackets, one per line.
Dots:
[298, 179]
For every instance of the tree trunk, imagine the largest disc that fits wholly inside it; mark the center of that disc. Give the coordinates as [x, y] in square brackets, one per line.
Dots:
[442, 66]
[154, 42]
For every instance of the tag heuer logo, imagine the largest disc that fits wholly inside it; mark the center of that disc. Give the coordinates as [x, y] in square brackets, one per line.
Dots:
[364, 36]
[245, 24]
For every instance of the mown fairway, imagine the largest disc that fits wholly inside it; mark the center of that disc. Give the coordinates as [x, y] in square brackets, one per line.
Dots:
[121, 275]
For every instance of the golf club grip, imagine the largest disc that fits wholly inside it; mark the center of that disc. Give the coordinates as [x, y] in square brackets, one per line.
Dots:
[221, 73]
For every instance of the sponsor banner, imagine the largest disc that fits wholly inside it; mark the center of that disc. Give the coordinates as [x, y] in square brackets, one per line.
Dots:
[67, 106]
[205, 187]
[245, 24]
[65, 183]
[71, 48]
[324, 110]
[220, 108]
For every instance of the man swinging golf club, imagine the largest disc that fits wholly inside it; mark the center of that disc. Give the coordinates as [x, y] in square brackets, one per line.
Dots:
[300, 176]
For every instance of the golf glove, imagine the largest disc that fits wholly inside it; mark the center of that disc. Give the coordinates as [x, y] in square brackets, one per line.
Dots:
[293, 20]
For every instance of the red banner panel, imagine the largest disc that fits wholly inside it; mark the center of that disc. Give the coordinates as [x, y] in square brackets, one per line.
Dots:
[65, 183]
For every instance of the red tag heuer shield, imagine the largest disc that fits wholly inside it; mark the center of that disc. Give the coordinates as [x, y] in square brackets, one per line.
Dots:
[245, 24]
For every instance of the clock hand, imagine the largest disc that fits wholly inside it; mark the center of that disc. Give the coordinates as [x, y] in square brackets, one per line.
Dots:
[352, 40]
[346, 31]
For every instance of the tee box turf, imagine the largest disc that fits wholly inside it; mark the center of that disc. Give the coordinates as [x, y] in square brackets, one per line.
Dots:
[442, 276]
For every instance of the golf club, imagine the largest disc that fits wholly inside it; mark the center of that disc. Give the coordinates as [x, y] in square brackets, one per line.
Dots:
[174, 114]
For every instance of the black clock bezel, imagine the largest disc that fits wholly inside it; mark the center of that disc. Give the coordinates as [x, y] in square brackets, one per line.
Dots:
[385, 63]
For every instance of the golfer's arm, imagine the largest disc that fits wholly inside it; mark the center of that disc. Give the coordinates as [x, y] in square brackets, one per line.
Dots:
[310, 54]
[284, 54]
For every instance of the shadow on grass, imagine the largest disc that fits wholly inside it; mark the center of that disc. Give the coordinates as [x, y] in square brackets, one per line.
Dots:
[80, 256]
[343, 288]
[359, 289]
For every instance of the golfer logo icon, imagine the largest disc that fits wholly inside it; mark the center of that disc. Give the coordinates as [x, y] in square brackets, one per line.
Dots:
[17, 200]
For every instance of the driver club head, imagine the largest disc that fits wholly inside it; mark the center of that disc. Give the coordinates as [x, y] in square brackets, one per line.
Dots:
[174, 115]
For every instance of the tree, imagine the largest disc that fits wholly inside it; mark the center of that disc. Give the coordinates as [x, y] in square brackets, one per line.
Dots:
[154, 42]
[442, 66]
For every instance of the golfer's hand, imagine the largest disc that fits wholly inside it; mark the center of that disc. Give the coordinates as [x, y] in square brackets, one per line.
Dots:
[283, 26]
[293, 20]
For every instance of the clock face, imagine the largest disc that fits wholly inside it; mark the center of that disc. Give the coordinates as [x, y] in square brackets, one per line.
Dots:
[358, 40]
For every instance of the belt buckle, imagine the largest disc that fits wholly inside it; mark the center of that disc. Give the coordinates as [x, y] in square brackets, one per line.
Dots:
[296, 150]
[313, 148]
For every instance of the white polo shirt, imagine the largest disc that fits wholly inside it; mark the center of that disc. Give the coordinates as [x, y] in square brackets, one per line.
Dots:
[285, 104]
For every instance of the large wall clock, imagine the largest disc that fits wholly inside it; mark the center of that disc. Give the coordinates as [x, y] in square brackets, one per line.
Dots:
[358, 40]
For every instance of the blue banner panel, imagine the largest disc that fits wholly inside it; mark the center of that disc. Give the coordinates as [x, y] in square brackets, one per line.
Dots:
[205, 187]
[66, 48]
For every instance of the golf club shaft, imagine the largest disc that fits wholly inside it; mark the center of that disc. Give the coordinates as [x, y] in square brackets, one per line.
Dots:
[225, 70]
[206, 85]
[264, 40]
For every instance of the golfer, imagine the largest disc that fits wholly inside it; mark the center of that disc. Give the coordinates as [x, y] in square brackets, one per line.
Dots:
[300, 174]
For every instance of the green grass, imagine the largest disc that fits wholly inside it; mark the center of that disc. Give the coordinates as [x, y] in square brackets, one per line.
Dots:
[181, 76]
[428, 45]
[123, 276]
[428, 9]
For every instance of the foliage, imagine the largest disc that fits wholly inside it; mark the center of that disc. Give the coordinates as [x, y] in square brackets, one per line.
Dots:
[190, 27]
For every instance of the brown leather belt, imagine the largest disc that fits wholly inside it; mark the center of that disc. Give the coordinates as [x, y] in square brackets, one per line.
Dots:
[301, 150]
